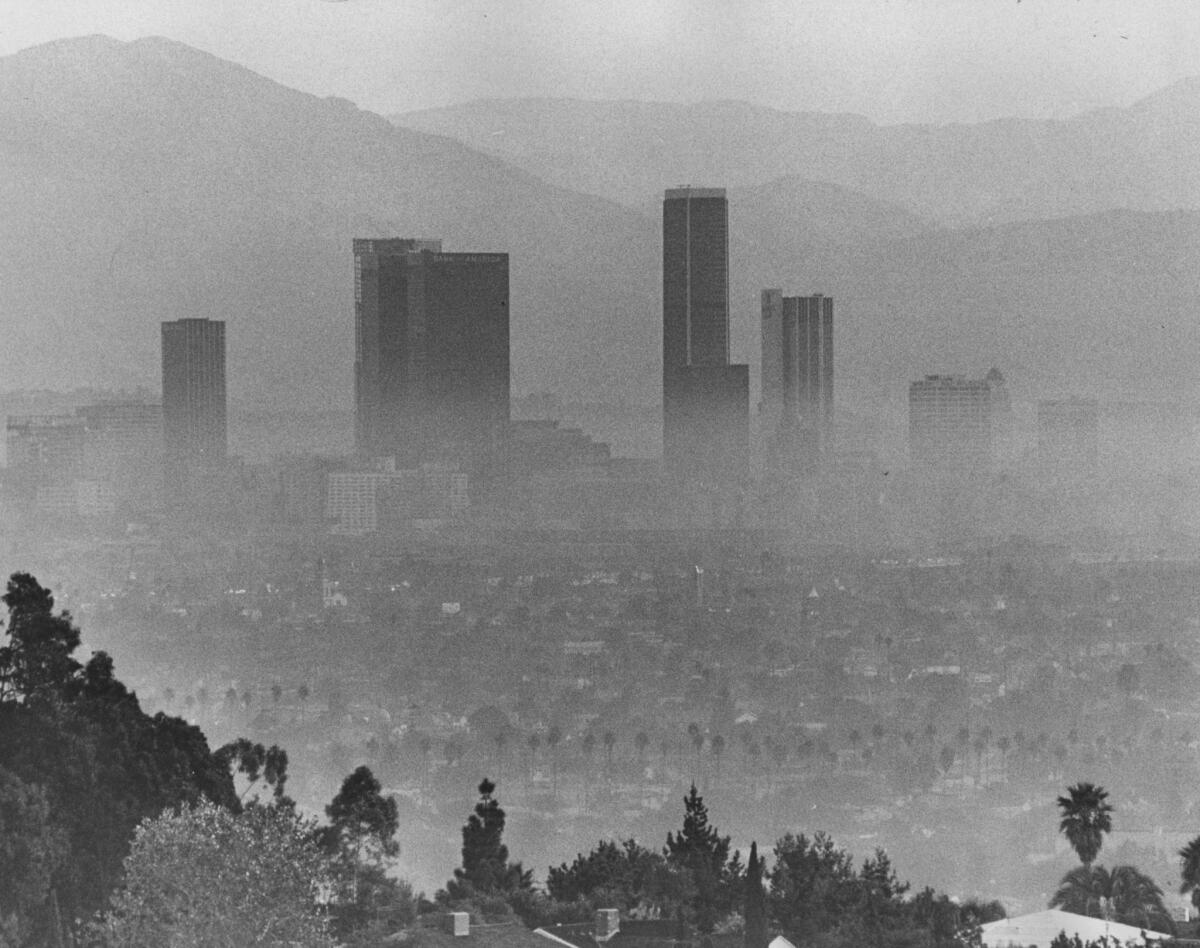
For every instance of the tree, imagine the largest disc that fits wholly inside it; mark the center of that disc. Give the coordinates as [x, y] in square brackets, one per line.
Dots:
[1123, 895]
[811, 886]
[699, 850]
[486, 870]
[1189, 871]
[610, 740]
[77, 733]
[754, 904]
[31, 849]
[256, 762]
[361, 840]
[37, 660]
[623, 875]
[1086, 817]
[206, 877]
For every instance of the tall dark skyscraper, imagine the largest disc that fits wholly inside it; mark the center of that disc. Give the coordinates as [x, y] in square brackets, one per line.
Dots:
[796, 413]
[193, 405]
[431, 367]
[705, 399]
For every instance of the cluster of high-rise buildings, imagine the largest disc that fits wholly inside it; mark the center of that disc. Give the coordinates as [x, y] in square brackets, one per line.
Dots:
[432, 396]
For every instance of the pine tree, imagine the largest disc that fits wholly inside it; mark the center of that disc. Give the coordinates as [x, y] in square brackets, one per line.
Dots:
[754, 904]
[703, 853]
[485, 867]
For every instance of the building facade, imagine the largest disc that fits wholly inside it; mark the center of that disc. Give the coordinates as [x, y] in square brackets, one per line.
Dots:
[194, 412]
[705, 399]
[950, 421]
[796, 409]
[431, 368]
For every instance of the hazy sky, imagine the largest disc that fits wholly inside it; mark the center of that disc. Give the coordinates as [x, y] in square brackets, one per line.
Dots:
[892, 60]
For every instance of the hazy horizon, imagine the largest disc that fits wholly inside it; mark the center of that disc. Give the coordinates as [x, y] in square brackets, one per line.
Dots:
[893, 63]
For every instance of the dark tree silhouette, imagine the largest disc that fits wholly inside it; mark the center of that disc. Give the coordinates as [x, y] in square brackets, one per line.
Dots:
[754, 902]
[486, 869]
[1123, 895]
[256, 763]
[703, 853]
[1189, 871]
[1086, 817]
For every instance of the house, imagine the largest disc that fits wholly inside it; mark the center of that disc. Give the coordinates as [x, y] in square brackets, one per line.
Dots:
[456, 930]
[1038, 929]
[607, 930]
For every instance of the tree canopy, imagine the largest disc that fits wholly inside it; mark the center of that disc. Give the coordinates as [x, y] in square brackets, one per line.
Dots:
[207, 877]
[701, 852]
[1123, 895]
[1086, 817]
[486, 869]
[85, 764]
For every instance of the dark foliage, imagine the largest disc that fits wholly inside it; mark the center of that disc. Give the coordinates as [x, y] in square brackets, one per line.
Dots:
[79, 755]
[702, 853]
[486, 870]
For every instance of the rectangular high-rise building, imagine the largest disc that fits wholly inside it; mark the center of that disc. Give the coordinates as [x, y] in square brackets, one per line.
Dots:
[431, 368]
[194, 424]
[950, 423]
[796, 411]
[705, 399]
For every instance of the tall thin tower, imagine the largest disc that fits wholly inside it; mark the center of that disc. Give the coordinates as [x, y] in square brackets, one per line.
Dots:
[193, 404]
[705, 399]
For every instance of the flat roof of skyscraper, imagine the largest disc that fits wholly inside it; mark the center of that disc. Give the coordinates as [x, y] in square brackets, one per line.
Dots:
[687, 191]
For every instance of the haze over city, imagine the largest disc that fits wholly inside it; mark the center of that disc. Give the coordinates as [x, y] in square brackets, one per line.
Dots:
[779, 414]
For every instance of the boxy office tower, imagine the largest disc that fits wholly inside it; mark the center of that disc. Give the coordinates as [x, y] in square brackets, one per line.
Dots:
[194, 423]
[796, 411]
[431, 365]
[705, 399]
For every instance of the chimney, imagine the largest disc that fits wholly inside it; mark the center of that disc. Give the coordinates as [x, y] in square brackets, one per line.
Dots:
[458, 923]
[608, 923]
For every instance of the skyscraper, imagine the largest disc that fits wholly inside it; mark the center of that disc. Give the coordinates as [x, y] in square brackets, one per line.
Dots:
[431, 367]
[796, 412]
[950, 421]
[705, 399]
[193, 406]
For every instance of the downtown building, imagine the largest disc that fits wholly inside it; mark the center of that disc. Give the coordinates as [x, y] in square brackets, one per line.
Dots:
[194, 412]
[431, 364]
[953, 422]
[796, 407]
[706, 401]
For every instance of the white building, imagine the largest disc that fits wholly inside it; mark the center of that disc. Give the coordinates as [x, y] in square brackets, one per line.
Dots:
[1038, 929]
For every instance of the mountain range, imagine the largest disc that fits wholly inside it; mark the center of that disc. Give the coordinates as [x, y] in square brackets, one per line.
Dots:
[1144, 157]
[147, 180]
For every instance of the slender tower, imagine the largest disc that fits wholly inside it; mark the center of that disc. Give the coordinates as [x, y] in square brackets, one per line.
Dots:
[705, 399]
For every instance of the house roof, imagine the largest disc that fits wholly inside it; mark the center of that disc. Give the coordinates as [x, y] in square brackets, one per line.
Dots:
[633, 933]
[500, 935]
[1038, 929]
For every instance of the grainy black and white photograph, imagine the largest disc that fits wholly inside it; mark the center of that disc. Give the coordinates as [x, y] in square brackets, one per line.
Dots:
[533, 474]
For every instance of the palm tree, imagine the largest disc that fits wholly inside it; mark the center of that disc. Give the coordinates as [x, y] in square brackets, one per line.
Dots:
[1086, 817]
[716, 746]
[1123, 895]
[553, 736]
[1189, 871]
